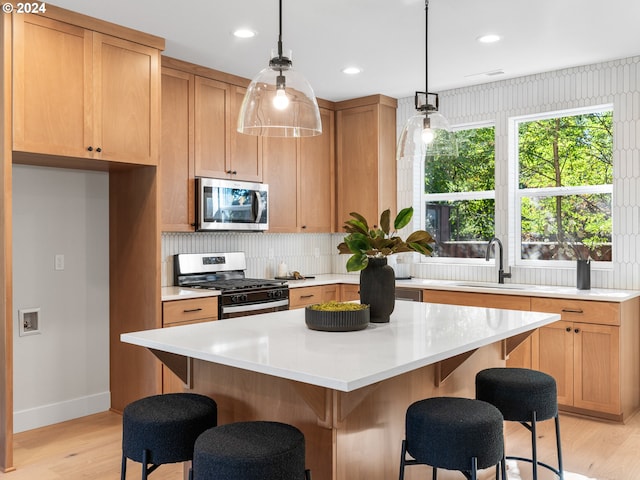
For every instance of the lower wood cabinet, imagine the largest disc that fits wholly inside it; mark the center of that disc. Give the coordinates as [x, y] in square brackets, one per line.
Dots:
[593, 352]
[185, 312]
[349, 292]
[593, 355]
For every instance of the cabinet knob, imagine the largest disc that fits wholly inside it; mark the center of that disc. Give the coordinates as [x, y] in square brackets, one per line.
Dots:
[568, 329]
[304, 226]
[90, 149]
[577, 330]
[98, 149]
[234, 172]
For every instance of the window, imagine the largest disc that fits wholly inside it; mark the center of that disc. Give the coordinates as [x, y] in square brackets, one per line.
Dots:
[459, 194]
[564, 188]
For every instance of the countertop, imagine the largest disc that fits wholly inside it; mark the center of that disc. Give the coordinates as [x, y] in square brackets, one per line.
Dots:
[281, 345]
[553, 291]
[600, 294]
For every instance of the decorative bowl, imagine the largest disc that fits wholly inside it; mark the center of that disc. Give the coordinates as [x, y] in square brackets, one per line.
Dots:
[337, 320]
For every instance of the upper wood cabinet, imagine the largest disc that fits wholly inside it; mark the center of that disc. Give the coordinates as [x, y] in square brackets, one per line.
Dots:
[177, 174]
[366, 146]
[84, 94]
[220, 151]
[301, 178]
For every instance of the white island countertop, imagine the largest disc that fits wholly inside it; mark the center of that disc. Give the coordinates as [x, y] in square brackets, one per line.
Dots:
[281, 345]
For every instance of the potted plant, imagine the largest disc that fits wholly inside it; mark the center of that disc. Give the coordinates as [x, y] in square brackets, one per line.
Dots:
[369, 248]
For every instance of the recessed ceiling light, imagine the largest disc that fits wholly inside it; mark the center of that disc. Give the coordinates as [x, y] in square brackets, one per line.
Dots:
[351, 70]
[490, 38]
[244, 33]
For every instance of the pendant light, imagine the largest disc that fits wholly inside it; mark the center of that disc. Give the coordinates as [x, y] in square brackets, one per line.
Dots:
[279, 101]
[419, 136]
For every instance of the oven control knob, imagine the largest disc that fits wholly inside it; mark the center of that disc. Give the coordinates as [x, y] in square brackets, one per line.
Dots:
[244, 297]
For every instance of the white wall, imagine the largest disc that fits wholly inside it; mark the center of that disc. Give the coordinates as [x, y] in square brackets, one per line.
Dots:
[63, 372]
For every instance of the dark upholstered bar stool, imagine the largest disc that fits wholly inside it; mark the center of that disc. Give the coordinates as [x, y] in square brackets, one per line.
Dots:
[454, 434]
[163, 429]
[525, 396]
[250, 451]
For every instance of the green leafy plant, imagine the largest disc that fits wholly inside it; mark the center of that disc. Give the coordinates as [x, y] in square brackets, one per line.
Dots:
[364, 242]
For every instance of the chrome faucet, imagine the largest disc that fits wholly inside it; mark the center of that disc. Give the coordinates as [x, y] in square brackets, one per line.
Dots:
[501, 274]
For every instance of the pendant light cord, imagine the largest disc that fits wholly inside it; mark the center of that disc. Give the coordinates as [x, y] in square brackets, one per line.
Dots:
[280, 31]
[426, 52]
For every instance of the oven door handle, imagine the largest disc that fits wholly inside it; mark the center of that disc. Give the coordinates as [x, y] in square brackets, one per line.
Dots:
[254, 306]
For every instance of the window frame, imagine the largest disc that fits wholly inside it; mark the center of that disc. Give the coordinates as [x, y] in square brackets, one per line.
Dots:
[457, 196]
[516, 194]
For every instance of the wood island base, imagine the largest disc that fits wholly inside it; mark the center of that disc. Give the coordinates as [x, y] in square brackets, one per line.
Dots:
[349, 435]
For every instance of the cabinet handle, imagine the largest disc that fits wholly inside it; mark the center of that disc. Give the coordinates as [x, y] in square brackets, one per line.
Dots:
[568, 329]
[304, 226]
[234, 172]
[577, 330]
[191, 310]
[307, 296]
[90, 148]
[98, 149]
[572, 310]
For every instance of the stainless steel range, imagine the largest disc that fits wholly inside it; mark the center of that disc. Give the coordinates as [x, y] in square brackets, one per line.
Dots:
[226, 272]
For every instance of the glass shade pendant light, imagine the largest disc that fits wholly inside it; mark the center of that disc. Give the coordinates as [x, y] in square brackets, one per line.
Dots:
[279, 101]
[422, 133]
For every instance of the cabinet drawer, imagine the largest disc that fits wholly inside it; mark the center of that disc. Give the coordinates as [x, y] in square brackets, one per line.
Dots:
[471, 299]
[603, 313]
[349, 292]
[301, 297]
[179, 311]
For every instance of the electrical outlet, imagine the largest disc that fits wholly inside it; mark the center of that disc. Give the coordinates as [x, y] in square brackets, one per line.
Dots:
[59, 262]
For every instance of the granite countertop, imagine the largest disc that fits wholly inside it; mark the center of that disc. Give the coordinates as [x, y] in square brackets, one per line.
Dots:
[281, 345]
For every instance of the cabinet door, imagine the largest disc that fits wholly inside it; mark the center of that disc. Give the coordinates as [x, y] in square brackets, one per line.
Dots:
[52, 87]
[597, 367]
[176, 156]
[279, 157]
[126, 78]
[357, 149]
[211, 128]
[330, 293]
[556, 357]
[316, 179]
[245, 155]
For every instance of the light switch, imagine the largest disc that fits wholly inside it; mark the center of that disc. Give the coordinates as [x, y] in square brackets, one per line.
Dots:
[59, 262]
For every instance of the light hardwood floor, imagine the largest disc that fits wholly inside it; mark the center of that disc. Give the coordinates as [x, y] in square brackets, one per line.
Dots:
[90, 448]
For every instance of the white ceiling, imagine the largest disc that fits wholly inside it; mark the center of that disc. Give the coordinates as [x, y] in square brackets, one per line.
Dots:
[385, 37]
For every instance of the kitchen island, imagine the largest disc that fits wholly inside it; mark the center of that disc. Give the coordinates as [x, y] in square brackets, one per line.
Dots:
[348, 392]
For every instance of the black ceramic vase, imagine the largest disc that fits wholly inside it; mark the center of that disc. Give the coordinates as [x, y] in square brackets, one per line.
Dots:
[377, 289]
[583, 275]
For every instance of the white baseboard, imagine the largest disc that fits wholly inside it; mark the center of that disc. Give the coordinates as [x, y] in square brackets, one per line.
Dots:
[59, 412]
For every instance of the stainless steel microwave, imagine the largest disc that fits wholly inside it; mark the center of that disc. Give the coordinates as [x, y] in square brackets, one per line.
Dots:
[231, 205]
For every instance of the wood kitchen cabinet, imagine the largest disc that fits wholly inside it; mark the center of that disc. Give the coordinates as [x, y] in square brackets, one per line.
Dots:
[303, 296]
[593, 355]
[177, 154]
[185, 312]
[300, 174]
[366, 163]
[349, 292]
[220, 151]
[84, 94]
[523, 354]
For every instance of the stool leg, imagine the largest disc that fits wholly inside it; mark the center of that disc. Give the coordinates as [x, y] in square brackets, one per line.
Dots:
[559, 447]
[123, 468]
[402, 458]
[534, 447]
[307, 474]
[474, 468]
[434, 475]
[503, 467]
[144, 464]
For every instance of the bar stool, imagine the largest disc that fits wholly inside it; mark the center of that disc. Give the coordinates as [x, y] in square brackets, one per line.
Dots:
[525, 396]
[250, 451]
[163, 429]
[454, 434]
